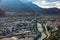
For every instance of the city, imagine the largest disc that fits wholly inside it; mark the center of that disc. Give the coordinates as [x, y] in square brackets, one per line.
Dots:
[28, 28]
[29, 19]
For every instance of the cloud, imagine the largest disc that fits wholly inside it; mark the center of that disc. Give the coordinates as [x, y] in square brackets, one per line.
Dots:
[27, 0]
[52, 0]
[47, 3]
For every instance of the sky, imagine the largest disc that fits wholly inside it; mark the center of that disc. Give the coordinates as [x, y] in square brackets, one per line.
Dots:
[45, 3]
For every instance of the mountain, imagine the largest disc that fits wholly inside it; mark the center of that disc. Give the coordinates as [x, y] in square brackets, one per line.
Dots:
[34, 7]
[2, 13]
[44, 11]
[51, 11]
[15, 6]
[18, 6]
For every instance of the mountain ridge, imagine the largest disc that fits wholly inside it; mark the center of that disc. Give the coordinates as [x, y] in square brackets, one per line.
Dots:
[18, 6]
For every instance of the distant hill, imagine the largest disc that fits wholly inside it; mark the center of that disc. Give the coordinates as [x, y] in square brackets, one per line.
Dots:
[51, 11]
[18, 6]
[15, 6]
[2, 13]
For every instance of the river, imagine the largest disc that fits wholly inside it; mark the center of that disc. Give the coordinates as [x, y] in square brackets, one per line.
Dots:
[40, 29]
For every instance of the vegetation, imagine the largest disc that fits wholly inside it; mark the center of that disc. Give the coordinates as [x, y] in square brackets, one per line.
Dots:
[54, 36]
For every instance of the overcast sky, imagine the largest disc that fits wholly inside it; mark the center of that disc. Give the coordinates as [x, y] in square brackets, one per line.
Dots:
[45, 3]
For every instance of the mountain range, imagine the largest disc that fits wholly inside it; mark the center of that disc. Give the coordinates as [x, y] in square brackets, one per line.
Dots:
[18, 6]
